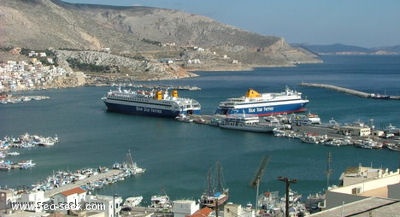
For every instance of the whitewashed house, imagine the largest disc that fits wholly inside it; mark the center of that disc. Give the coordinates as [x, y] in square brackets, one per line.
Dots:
[183, 208]
[109, 205]
[34, 197]
[72, 196]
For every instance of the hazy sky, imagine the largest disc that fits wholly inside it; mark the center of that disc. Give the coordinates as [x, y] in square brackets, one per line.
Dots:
[367, 23]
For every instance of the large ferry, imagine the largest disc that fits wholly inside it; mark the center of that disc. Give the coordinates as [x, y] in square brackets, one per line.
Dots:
[264, 104]
[150, 102]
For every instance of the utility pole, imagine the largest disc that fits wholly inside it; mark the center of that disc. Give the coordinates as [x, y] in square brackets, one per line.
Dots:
[216, 207]
[287, 185]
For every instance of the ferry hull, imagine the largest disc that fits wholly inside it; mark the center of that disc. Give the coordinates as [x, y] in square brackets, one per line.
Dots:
[264, 110]
[145, 111]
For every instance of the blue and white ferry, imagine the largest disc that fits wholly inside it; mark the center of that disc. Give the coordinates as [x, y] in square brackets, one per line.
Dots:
[150, 102]
[264, 104]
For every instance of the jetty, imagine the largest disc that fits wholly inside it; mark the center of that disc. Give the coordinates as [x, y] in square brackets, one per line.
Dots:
[79, 183]
[350, 91]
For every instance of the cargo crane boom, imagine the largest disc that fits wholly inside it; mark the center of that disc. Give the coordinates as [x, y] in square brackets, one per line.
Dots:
[257, 178]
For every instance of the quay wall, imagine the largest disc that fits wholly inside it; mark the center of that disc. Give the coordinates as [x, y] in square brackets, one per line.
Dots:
[337, 88]
[107, 174]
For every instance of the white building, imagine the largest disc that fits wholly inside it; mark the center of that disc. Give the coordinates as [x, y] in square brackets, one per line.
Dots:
[363, 183]
[35, 197]
[235, 210]
[109, 205]
[72, 196]
[356, 130]
[184, 208]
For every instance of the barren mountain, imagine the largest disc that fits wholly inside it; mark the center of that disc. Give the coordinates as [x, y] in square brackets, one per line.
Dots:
[137, 34]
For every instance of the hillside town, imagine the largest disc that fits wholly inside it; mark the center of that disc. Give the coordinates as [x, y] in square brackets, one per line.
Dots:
[364, 191]
[35, 75]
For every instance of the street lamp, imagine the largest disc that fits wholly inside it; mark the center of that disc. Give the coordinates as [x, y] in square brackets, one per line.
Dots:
[287, 184]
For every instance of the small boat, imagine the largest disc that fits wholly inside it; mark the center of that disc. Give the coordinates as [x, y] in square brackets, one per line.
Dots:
[133, 201]
[307, 119]
[393, 147]
[131, 165]
[160, 202]
[4, 166]
[379, 96]
[13, 153]
[251, 123]
[214, 196]
[26, 164]
[183, 118]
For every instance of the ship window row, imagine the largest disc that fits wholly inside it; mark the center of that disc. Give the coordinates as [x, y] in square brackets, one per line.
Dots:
[131, 99]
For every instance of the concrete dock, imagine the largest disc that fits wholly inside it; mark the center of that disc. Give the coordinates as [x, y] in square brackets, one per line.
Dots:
[108, 174]
[350, 91]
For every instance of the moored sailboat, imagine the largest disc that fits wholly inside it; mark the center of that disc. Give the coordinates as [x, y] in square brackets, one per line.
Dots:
[217, 195]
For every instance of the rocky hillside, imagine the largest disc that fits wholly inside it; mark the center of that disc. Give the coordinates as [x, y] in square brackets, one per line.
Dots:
[143, 42]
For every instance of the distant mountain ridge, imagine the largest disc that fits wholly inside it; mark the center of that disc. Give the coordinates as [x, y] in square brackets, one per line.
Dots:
[341, 49]
[152, 35]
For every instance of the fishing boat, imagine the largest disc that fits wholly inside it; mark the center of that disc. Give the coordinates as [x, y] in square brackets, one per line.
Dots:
[251, 123]
[161, 201]
[131, 165]
[264, 104]
[4, 166]
[26, 164]
[133, 201]
[214, 196]
[150, 103]
[13, 153]
[393, 147]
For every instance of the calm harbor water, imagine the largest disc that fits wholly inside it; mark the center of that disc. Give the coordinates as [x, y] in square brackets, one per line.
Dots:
[178, 155]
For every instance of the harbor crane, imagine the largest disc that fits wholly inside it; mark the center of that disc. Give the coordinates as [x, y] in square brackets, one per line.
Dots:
[257, 178]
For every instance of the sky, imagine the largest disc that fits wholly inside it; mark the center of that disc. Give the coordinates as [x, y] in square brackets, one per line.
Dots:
[365, 23]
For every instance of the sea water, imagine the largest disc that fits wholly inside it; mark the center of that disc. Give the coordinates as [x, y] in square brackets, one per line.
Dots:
[177, 155]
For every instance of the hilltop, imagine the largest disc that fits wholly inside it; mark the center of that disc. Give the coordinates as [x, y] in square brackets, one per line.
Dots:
[142, 43]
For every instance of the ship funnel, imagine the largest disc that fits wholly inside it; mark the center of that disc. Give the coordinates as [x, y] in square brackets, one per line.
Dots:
[175, 93]
[159, 95]
[252, 93]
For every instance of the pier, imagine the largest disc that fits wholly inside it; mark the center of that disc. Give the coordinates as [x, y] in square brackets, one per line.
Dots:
[350, 91]
[106, 175]
[331, 134]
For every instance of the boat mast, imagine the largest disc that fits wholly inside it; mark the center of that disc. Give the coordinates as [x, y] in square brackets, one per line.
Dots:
[129, 159]
[209, 187]
[219, 184]
[328, 169]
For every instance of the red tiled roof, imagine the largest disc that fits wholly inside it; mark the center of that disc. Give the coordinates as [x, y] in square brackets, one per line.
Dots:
[76, 190]
[204, 212]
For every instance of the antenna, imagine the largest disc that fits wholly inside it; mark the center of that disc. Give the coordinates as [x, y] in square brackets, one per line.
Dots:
[257, 178]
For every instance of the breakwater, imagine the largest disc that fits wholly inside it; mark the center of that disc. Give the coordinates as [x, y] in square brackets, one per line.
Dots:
[350, 91]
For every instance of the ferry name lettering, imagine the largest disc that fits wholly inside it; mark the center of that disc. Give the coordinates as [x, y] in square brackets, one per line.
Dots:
[156, 111]
[142, 109]
[268, 108]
